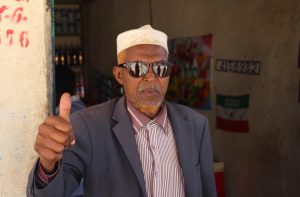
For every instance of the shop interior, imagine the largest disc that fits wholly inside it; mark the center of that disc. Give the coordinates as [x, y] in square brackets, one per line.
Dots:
[253, 162]
[72, 55]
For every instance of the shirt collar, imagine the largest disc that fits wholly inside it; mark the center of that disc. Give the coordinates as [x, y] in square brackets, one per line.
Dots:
[139, 119]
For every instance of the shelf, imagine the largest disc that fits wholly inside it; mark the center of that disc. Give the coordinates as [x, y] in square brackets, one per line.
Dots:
[72, 1]
[67, 35]
[68, 1]
[76, 68]
[67, 41]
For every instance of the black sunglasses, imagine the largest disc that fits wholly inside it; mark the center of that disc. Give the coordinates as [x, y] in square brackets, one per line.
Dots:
[139, 69]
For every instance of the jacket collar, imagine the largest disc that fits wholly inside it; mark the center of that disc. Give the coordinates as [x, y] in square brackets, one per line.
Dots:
[125, 135]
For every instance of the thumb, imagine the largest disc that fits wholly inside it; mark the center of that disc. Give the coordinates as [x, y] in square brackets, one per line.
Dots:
[65, 106]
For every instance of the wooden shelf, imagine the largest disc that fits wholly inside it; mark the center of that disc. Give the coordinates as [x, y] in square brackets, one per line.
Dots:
[76, 68]
[65, 42]
[67, 35]
[72, 1]
[61, 41]
[68, 1]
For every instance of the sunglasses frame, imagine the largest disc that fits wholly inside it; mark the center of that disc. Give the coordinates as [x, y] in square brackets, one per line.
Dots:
[129, 64]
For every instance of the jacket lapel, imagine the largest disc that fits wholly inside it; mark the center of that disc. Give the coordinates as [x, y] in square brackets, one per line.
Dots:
[182, 129]
[125, 134]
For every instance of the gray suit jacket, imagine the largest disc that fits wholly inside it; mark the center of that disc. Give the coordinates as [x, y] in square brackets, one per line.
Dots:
[106, 154]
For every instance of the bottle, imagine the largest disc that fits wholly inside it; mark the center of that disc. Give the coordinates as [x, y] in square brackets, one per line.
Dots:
[81, 82]
[56, 57]
[58, 21]
[68, 57]
[80, 57]
[74, 57]
[77, 21]
[71, 22]
[62, 57]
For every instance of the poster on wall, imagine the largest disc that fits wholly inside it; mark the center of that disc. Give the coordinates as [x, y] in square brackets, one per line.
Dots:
[190, 79]
[232, 113]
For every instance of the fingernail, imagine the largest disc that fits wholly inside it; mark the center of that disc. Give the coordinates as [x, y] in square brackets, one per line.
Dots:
[73, 142]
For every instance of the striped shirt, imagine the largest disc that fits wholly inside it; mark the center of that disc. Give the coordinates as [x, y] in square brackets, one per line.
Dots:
[158, 154]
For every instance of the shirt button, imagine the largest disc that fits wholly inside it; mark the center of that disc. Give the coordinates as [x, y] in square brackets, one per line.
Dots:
[153, 147]
[155, 173]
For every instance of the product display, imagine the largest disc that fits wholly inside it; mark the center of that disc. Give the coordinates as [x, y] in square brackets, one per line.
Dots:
[67, 21]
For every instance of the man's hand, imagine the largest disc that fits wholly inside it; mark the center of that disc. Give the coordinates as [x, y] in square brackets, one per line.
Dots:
[54, 135]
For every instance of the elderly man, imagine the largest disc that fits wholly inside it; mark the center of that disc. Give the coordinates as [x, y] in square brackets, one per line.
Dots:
[136, 145]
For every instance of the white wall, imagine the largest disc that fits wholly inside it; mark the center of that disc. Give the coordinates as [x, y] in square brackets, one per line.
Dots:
[24, 90]
[264, 162]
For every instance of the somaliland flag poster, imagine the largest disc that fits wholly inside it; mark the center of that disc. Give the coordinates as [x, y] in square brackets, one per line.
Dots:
[232, 113]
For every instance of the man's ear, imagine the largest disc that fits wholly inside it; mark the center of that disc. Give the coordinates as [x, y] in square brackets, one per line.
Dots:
[117, 72]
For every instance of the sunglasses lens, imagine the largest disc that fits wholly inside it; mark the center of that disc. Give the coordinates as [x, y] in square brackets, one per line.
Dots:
[162, 69]
[138, 69]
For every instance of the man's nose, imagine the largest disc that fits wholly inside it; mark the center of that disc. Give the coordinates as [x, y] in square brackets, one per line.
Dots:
[150, 75]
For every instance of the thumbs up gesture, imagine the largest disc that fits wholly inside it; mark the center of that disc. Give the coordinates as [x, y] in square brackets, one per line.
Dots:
[54, 135]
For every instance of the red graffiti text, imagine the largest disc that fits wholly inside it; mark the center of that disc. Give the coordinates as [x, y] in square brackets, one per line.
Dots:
[15, 16]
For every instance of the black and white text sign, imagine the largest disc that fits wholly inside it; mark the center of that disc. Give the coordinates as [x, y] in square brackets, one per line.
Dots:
[238, 66]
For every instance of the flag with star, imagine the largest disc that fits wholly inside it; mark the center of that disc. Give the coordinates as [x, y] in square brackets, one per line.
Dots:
[232, 113]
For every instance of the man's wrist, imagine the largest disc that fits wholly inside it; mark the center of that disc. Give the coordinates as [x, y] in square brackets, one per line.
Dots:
[44, 177]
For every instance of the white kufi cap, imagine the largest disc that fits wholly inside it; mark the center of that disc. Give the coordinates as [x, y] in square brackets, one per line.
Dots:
[143, 35]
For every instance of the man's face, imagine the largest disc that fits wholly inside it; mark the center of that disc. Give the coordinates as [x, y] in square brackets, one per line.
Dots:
[147, 91]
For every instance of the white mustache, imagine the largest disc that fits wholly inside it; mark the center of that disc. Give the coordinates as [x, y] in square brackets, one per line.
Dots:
[149, 87]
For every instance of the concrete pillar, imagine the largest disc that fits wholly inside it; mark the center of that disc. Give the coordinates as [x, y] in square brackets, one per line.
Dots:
[25, 87]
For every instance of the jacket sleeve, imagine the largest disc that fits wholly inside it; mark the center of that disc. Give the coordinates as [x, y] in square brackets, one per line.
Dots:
[75, 162]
